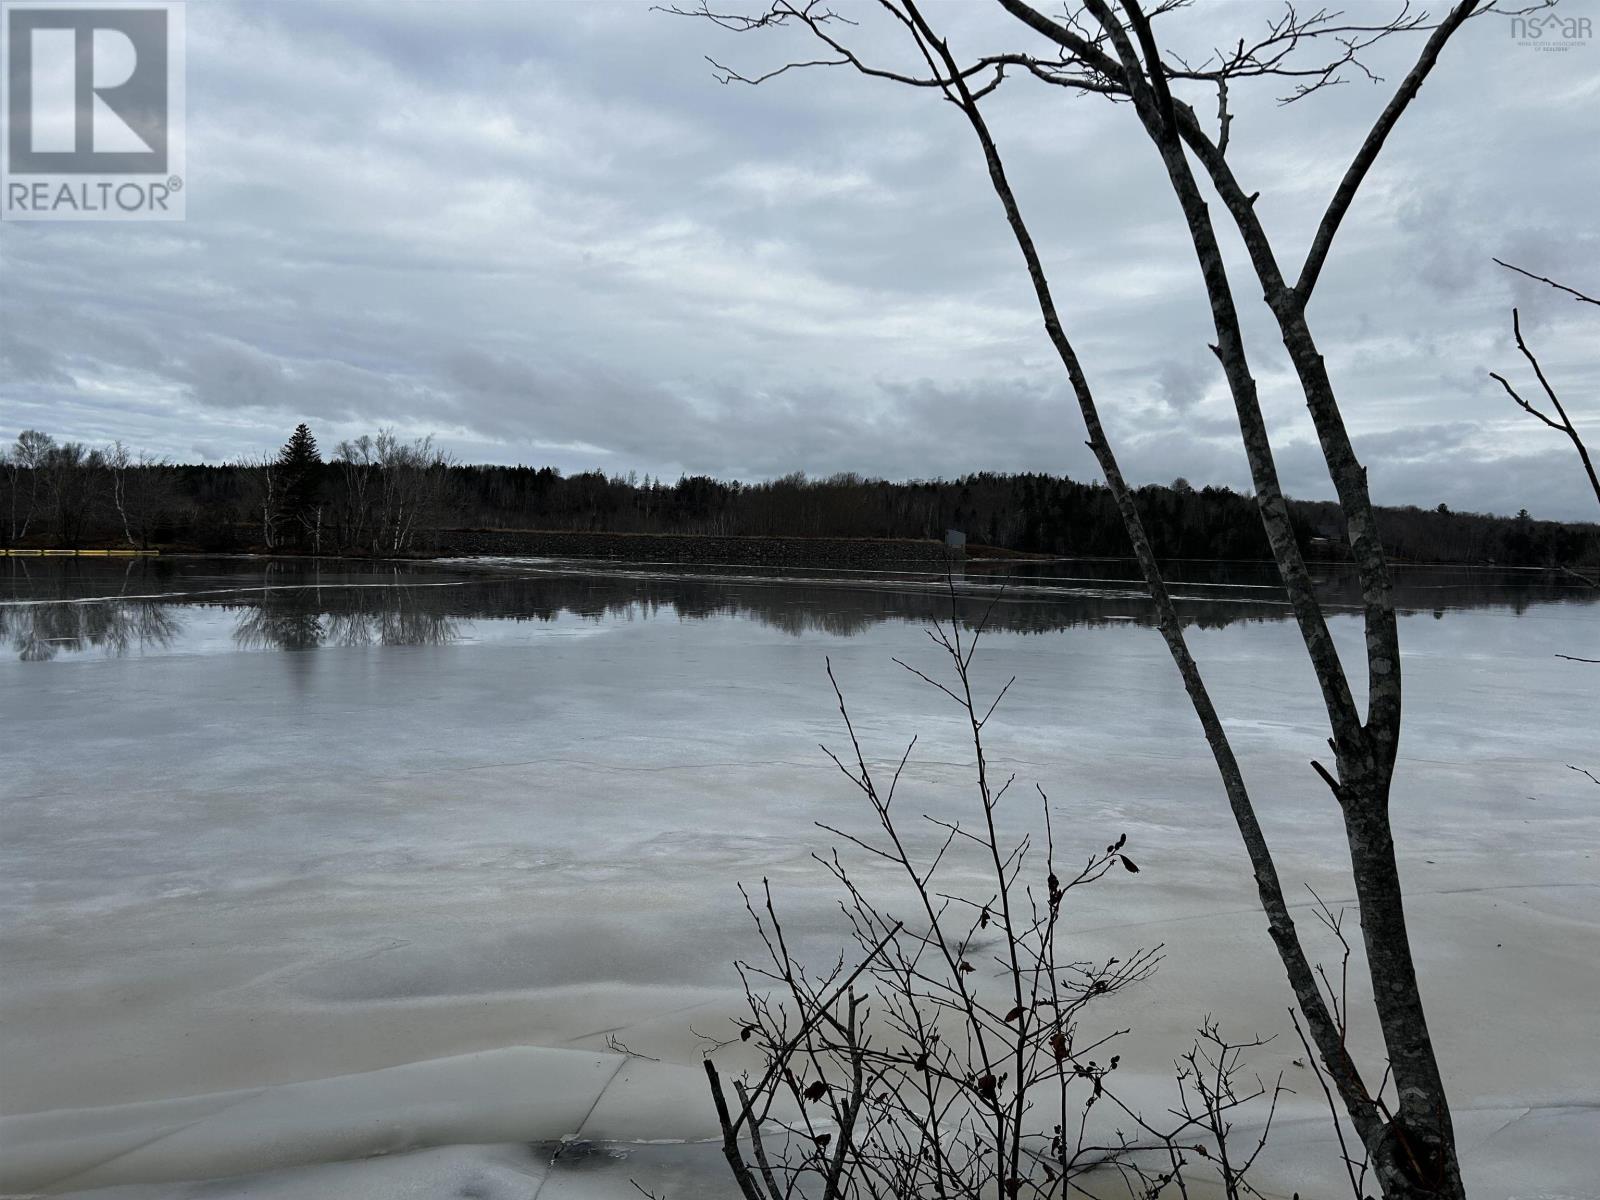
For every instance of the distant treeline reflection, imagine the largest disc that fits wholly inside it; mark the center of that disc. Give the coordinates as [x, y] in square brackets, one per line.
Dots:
[76, 606]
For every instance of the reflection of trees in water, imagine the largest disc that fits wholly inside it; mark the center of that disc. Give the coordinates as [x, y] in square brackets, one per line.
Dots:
[45, 625]
[329, 615]
[308, 604]
[796, 608]
[1021, 603]
[1417, 588]
[406, 627]
[39, 632]
[275, 627]
[83, 604]
[73, 579]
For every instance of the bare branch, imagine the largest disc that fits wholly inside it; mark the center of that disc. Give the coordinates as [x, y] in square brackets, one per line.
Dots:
[1560, 287]
[1561, 421]
[1344, 195]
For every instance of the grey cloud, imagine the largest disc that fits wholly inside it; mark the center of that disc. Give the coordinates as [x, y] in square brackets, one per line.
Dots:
[29, 362]
[227, 374]
[545, 233]
[1181, 383]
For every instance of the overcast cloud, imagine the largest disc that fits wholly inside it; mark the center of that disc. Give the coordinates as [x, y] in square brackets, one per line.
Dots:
[544, 233]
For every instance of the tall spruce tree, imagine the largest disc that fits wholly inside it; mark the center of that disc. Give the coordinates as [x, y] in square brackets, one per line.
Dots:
[300, 478]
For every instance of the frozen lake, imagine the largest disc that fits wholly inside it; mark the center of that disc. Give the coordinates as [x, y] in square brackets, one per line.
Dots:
[309, 862]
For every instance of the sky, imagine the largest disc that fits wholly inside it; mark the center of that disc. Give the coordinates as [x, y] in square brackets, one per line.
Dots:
[544, 233]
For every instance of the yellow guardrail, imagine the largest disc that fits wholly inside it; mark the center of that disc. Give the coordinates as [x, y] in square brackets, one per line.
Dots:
[80, 553]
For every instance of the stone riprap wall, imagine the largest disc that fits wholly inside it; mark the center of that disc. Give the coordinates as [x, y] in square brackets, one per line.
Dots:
[690, 548]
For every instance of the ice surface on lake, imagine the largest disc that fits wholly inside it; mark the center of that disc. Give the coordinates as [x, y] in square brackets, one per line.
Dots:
[300, 866]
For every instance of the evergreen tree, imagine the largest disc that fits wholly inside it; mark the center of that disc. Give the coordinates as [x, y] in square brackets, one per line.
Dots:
[299, 469]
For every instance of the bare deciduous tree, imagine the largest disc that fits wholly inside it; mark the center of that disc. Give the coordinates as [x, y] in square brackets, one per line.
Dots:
[356, 466]
[411, 479]
[264, 496]
[72, 481]
[393, 491]
[24, 464]
[1112, 50]
[139, 491]
[959, 1058]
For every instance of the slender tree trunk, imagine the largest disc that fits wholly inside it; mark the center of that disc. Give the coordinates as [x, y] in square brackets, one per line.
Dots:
[1413, 1154]
[1281, 926]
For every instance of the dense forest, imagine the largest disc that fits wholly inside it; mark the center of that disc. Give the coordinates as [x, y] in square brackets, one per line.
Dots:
[385, 496]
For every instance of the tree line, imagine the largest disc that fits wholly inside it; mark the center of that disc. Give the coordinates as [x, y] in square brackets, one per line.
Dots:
[383, 495]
